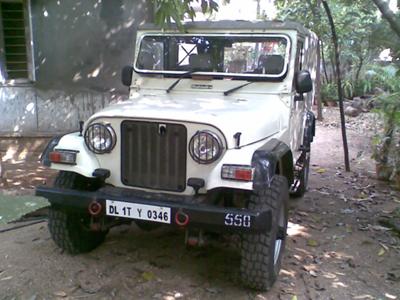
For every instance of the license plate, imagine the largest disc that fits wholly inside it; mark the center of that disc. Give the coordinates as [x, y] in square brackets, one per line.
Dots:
[137, 211]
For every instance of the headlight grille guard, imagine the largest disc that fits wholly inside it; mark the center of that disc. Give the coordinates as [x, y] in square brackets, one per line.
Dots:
[209, 137]
[105, 131]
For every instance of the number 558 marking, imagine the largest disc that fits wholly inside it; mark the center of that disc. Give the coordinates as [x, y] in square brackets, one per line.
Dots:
[237, 220]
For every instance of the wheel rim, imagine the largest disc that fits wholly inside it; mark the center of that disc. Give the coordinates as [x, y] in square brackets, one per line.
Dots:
[280, 235]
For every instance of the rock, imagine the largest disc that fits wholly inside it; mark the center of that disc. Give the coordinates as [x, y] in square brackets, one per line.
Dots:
[60, 294]
[352, 111]
[347, 211]
[394, 276]
[357, 103]
[378, 90]
[351, 263]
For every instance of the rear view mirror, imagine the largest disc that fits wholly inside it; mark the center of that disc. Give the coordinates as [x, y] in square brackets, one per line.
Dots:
[126, 75]
[303, 82]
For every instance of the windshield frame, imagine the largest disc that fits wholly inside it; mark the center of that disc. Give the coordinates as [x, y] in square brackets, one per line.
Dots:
[241, 76]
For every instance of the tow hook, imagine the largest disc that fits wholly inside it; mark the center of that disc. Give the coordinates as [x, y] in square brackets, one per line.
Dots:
[181, 218]
[95, 208]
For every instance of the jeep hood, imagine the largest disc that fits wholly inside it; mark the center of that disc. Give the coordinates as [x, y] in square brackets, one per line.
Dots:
[256, 117]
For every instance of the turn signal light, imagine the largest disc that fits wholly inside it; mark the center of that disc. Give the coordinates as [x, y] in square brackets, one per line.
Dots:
[237, 172]
[63, 157]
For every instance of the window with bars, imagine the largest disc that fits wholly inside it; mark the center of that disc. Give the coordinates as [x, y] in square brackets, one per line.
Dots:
[16, 40]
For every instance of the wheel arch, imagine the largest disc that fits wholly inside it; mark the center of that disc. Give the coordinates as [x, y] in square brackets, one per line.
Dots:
[86, 161]
[275, 157]
[309, 129]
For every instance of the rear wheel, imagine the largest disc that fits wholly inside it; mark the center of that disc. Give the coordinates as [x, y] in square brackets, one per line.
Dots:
[302, 178]
[69, 229]
[262, 252]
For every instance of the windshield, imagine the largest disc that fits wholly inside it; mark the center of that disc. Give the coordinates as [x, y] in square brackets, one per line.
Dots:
[250, 56]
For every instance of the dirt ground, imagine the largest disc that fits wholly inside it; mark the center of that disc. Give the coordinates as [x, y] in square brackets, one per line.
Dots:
[337, 247]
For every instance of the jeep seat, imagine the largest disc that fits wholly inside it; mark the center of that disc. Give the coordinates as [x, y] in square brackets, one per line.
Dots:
[273, 64]
[200, 62]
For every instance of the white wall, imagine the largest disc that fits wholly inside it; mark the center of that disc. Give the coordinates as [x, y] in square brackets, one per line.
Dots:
[28, 111]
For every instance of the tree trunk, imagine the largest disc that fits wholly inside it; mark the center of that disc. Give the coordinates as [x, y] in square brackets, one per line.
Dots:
[318, 84]
[339, 83]
[324, 62]
[359, 67]
[388, 15]
[333, 63]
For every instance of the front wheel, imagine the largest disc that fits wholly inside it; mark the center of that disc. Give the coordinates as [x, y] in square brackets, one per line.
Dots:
[262, 252]
[70, 229]
[71, 232]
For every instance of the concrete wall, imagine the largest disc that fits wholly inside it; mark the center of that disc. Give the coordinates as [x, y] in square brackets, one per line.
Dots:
[28, 111]
[79, 49]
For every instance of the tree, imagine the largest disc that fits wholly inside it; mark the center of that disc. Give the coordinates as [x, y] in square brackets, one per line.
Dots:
[339, 84]
[178, 9]
[388, 15]
[354, 24]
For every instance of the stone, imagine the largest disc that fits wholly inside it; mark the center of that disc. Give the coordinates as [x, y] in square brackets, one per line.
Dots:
[352, 111]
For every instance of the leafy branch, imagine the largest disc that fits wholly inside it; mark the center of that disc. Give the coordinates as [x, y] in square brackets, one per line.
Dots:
[177, 10]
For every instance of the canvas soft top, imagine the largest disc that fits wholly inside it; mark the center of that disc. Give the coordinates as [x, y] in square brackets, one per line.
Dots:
[234, 25]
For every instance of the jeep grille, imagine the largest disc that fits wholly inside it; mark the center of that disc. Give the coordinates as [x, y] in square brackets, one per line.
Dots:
[153, 155]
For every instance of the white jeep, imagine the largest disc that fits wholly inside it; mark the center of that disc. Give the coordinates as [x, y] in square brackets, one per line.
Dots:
[214, 137]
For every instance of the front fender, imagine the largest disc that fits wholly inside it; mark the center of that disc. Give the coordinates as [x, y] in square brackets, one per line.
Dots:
[86, 161]
[268, 159]
[309, 129]
[44, 158]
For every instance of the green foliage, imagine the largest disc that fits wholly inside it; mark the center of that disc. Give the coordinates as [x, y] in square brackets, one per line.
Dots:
[363, 87]
[357, 88]
[386, 78]
[355, 23]
[176, 10]
[348, 88]
[329, 92]
[382, 38]
[388, 106]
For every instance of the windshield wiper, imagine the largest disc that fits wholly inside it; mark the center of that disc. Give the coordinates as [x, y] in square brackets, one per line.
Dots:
[236, 88]
[179, 79]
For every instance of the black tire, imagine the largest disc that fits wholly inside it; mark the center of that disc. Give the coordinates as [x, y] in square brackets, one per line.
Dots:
[262, 252]
[303, 177]
[69, 229]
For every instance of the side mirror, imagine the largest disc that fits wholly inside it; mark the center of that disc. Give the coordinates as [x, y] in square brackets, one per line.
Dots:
[303, 82]
[126, 75]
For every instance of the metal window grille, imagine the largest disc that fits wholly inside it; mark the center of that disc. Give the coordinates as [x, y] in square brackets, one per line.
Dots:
[15, 40]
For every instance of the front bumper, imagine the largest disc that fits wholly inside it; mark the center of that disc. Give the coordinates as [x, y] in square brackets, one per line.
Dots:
[200, 215]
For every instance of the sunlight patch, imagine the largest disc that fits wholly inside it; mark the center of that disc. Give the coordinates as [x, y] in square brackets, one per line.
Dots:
[296, 230]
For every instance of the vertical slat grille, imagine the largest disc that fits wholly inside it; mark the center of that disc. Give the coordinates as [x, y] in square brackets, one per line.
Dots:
[13, 18]
[153, 155]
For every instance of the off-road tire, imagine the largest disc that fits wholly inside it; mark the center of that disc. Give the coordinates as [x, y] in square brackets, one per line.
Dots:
[303, 178]
[259, 264]
[70, 229]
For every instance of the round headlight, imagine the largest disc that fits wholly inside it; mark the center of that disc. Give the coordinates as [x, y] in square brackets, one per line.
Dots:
[100, 138]
[205, 147]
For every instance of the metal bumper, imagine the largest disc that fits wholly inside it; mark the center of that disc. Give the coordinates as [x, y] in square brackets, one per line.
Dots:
[205, 216]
